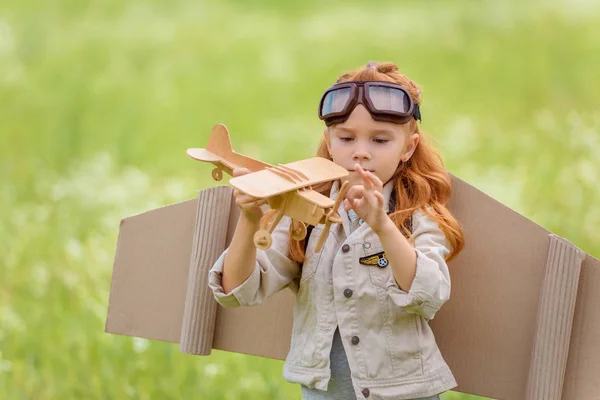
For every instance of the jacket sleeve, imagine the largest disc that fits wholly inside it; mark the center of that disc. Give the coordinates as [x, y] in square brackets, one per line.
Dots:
[431, 286]
[273, 272]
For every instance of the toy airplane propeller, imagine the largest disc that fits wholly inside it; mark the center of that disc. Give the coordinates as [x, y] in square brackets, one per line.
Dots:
[287, 188]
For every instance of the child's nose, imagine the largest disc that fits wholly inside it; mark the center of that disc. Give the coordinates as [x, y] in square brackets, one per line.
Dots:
[361, 154]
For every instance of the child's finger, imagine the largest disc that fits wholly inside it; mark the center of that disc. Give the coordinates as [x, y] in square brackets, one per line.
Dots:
[361, 171]
[249, 200]
[378, 184]
[380, 198]
[261, 202]
[370, 180]
[367, 183]
[355, 192]
[244, 198]
[254, 203]
[347, 204]
[370, 198]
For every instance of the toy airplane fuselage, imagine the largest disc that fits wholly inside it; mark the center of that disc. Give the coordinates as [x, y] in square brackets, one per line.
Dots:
[287, 188]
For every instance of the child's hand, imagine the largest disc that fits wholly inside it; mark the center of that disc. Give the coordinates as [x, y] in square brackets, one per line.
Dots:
[367, 200]
[249, 206]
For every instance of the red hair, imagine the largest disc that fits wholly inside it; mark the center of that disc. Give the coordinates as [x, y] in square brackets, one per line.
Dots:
[421, 183]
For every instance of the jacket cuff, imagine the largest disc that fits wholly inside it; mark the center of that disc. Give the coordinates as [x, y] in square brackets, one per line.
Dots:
[424, 296]
[239, 296]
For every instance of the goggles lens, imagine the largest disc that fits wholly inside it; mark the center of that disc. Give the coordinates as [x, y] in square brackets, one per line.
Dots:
[335, 101]
[386, 98]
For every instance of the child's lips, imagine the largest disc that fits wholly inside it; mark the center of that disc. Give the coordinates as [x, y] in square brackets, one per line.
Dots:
[370, 170]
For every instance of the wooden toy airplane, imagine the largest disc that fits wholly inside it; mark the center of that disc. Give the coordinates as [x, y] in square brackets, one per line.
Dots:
[287, 188]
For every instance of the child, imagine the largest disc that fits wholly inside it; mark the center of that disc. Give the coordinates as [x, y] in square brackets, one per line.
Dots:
[364, 301]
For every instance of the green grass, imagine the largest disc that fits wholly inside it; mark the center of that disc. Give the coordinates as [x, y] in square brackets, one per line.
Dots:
[99, 100]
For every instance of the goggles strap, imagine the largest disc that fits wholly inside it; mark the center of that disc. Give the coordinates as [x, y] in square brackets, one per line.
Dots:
[417, 113]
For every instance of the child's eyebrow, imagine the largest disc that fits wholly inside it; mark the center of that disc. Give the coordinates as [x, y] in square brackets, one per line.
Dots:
[382, 131]
[346, 129]
[373, 132]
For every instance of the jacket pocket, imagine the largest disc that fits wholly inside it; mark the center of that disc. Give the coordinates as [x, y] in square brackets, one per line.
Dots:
[405, 346]
[381, 276]
[377, 263]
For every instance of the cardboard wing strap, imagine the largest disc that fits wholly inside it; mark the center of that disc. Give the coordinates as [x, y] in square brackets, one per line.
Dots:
[210, 237]
[516, 297]
[554, 322]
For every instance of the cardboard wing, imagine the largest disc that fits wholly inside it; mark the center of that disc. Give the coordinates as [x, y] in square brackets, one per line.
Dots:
[522, 322]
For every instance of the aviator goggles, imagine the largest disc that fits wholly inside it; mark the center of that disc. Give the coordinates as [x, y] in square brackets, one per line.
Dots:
[385, 101]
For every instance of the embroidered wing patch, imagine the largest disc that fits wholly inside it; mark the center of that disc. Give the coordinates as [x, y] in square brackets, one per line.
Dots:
[378, 259]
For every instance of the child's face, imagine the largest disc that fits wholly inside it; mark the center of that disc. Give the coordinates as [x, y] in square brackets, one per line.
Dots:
[375, 145]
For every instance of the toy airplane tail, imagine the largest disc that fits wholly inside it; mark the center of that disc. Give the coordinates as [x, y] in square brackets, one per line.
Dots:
[220, 153]
[219, 142]
[218, 150]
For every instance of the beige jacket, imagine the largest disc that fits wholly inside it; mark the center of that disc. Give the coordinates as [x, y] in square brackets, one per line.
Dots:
[390, 347]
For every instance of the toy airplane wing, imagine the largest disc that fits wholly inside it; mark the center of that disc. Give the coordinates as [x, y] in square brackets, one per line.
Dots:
[280, 179]
[522, 321]
[315, 198]
[219, 152]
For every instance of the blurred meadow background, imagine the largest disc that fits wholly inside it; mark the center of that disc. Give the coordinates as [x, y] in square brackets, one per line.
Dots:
[99, 101]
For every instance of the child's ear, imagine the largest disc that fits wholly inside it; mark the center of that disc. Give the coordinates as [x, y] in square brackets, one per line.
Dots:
[411, 146]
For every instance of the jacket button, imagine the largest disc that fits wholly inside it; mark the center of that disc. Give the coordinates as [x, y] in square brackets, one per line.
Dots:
[348, 293]
[346, 248]
[366, 392]
[355, 340]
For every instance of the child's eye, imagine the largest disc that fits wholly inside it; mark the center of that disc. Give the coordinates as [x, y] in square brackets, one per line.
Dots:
[346, 139]
[381, 141]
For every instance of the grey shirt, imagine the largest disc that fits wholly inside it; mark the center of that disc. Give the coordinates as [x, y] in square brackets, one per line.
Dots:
[340, 385]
